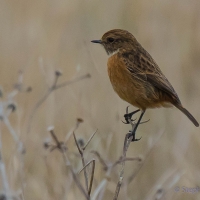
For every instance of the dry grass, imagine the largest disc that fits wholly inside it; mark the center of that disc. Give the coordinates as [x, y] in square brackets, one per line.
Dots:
[38, 37]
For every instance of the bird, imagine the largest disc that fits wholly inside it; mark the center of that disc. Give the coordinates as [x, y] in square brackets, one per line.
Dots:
[136, 77]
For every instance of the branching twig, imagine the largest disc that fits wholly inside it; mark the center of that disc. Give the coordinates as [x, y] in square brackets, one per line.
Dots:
[72, 81]
[101, 160]
[83, 162]
[5, 183]
[63, 149]
[127, 159]
[81, 151]
[92, 175]
[127, 142]
[109, 168]
[89, 140]
[68, 136]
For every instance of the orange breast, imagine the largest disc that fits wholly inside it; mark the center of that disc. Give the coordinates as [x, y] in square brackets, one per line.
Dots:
[122, 82]
[136, 92]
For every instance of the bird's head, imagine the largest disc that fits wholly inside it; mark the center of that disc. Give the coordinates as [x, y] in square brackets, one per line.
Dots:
[116, 39]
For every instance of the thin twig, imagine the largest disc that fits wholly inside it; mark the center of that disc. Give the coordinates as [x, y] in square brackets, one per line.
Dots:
[92, 174]
[102, 161]
[5, 183]
[83, 161]
[63, 149]
[70, 133]
[81, 151]
[76, 180]
[121, 175]
[12, 131]
[100, 187]
[126, 159]
[127, 142]
[85, 166]
[89, 140]
[58, 143]
[92, 177]
[72, 81]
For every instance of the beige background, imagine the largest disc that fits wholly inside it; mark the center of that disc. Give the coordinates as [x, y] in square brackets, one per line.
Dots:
[41, 36]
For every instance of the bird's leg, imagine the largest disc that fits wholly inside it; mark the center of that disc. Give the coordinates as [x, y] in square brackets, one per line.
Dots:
[128, 116]
[133, 132]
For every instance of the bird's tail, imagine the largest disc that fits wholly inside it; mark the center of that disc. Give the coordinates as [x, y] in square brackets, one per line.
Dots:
[187, 113]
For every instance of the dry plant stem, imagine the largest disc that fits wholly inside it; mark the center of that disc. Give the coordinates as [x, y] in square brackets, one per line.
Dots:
[101, 160]
[81, 151]
[100, 187]
[127, 142]
[14, 134]
[76, 180]
[12, 131]
[70, 133]
[108, 168]
[5, 183]
[83, 162]
[126, 159]
[89, 140]
[72, 81]
[48, 92]
[58, 144]
[63, 149]
[92, 175]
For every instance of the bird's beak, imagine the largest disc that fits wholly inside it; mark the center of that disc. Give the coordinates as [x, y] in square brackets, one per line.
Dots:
[97, 41]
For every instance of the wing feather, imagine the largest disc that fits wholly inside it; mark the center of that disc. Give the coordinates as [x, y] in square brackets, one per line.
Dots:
[142, 66]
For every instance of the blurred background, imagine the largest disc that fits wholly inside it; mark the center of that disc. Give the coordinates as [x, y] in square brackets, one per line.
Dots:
[38, 37]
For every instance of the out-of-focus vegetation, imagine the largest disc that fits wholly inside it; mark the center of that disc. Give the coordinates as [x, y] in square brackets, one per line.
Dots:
[38, 37]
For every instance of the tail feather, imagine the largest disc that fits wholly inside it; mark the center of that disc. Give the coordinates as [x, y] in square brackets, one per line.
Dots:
[187, 113]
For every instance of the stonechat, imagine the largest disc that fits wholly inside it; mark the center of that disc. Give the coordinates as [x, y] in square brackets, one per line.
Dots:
[135, 76]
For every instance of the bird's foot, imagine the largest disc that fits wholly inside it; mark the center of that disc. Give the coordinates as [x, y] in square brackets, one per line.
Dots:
[128, 116]
[132, 134]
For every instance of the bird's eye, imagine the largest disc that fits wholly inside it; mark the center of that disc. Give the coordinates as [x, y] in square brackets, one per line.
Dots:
[110, 39]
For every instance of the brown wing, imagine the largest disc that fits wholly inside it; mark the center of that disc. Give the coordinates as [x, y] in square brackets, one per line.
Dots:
[142, 66]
